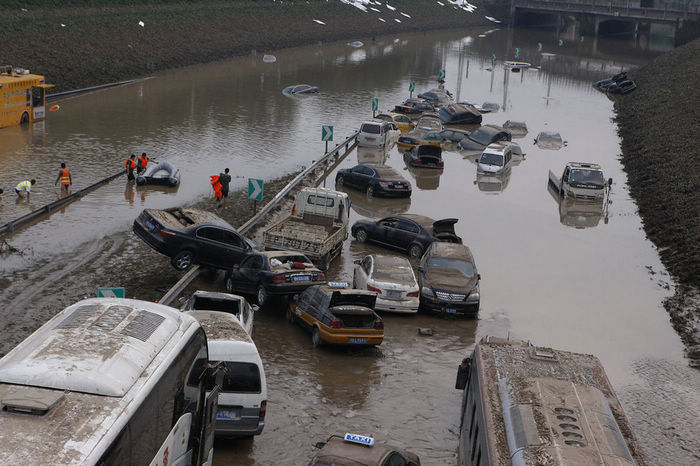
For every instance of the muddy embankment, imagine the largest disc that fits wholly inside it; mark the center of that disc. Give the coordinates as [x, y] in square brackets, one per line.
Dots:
[659, 127]
[89, 42]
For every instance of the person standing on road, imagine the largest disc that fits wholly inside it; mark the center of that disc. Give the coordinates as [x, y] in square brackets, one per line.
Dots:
[130, 164]
[25, 187]
[141, 163]
[224, 179]
[64, 177]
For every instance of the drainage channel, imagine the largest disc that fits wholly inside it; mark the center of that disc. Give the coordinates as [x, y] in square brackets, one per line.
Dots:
[328, 162]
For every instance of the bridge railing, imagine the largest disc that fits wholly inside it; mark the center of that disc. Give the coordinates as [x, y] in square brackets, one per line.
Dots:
[670, 10]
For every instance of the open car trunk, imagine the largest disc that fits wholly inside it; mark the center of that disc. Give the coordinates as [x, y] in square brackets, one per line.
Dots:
[444, 230]
[354, 316]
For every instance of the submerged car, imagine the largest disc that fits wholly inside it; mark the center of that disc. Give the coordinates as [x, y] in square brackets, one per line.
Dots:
[453, 136]
[428, 122]
[223, 302]
[409, 233]
[604, 83]
[300, 89]
[448, 280]
[424, 156]
[341, 316]
[437, 97]
[375, 180]
[273, 273]
[517, 128]
[359, 450]
[459, 114]
[377, 133]
[192, 236]
[414, 107]
[402, 122]
[483, 136]
[393, 280]
[549, 140]
[497, 158]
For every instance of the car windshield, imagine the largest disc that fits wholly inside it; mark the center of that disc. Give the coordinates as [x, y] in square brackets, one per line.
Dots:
[491, 159]
[370, 128]
[465, 267]
[580, 176]
[445, 114]
[481, 136]
[384, 117]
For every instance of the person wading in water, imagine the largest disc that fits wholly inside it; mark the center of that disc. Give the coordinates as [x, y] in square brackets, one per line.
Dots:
[130, 165]
[64, 177]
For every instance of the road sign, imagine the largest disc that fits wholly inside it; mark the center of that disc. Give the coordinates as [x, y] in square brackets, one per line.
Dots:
[442, 74]
[326, 133]
[111, 293]
[255, 189]
[517, 52]
[412, 86]
[375, 104]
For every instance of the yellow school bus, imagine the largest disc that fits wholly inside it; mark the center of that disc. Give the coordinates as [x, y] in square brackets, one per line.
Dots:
[22, 96]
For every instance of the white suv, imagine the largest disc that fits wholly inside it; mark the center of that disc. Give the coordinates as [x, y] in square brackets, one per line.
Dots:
[377, 133]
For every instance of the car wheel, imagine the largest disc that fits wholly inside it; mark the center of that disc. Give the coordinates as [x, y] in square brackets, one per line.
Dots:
[361, 235]
[229, 283]
[182, 260]
[339, 180]
[261, 295]
[415, 251]
[289, 315]
[370, 191]
[316, 337]
[25, 119]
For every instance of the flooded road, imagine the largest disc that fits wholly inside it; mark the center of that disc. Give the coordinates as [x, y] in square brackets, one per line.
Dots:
[567, 276]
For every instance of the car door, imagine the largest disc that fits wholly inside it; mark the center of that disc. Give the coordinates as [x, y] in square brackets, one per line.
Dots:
[384, 230]
[356, 176]
[369, 178]
[212, 250]
[236, 247]
[247, 275]
[405, 234]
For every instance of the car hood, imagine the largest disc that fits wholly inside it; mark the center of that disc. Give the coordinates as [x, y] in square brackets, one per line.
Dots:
[448, 279]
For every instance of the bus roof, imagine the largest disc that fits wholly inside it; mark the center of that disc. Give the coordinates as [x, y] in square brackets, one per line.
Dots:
[10, 75]
[62, 416]
[554, 404]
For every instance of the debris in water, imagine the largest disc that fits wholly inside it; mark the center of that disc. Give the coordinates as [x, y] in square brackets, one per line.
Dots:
[6, 248]
[390, 7]
[63, 25]
[319, 21]
[406, 15]
[397, 20]
[440, 3]
[142, 24]
[357, 44]
[382, 20]
[493, 20]
[425, 331]
[269, 58]
[374, 9]
[54, 107]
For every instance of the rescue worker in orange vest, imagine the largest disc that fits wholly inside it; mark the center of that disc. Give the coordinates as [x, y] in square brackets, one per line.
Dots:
[130, 164]
[141, 163]
[64, 177]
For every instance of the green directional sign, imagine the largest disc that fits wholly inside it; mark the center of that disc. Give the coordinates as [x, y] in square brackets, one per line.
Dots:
[412, 86]
[517, 52]
[326, 133]
[255, 189]
[375, 104]
[111, 293]
[442, 74]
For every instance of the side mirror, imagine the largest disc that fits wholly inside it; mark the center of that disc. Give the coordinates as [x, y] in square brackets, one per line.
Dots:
[255, 307]
[478, 276]
[357, 262]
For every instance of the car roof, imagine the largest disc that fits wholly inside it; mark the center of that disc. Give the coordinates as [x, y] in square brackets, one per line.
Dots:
[219, 325]
[385, 171]
[393, 269]
[451, 250]
[337, 449]
[425, 222]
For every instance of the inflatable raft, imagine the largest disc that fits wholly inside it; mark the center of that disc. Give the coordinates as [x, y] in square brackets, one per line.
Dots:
[162, 173]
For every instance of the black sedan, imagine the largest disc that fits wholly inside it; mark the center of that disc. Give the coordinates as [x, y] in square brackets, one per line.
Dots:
[300, 89]
[375, 180]
[273, 273]
[483, 136]
[414, 107]
[459, 114]
[409, 232]
[192, 236]
[424, 156]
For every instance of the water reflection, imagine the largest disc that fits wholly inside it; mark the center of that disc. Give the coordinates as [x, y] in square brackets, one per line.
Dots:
[426, 178]
[491, 183]
[376, 155]
[579, 213]
[376, 207]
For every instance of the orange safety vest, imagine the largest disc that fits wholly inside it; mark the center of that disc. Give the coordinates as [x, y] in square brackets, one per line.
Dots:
[130, 163]
[216, 185]
[65, 176]
[143, 161]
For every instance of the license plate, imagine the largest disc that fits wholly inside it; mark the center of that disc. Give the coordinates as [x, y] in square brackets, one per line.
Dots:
[300, 278]
[227, 414]
[358, 340]
[398, 186]
[149, 225]
[393, 293]
[449, 310]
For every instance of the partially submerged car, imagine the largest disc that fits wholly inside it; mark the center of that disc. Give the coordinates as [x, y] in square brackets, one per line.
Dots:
[448, 280]
[498, 157]
[517, 128]
[273, 273]
[409, 232]
[459, 114]
[338, 315]
[414, 107]
[223, 302]
[192, 236]
[392, 278]
[437, 97]
[549, 140]
[428, 122]
[424, 156]
[375, 180]
[300, 89]
[359, 450]
[402, 122]
[453, 136]
[378, 133]
[483, 136]
[604, 83]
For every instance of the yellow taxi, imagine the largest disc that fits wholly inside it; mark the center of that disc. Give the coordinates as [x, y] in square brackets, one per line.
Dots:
[337, 314]
[402, 122]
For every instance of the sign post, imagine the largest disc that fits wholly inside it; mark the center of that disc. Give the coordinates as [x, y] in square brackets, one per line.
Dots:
[111, 293]
[411, 88]
[326, 134]
[255, 192]
[375, 106]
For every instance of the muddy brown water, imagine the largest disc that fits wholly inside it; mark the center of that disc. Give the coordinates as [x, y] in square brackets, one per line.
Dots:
[566, 276]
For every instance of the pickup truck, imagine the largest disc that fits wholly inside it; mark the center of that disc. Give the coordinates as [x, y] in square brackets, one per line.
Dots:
[317, 227]
[581, 181]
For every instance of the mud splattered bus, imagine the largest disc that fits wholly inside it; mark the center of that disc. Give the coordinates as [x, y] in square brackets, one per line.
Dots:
[22, 96]
[528, 405]
[109, 381]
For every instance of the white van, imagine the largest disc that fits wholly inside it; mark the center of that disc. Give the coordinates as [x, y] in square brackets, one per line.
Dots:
[498, 157]
[377, 133]
[243, 395]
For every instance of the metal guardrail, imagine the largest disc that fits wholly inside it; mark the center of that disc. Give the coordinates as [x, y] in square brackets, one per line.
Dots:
[329, 158]
[614, 9]
[59, 95]
[48, 208]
